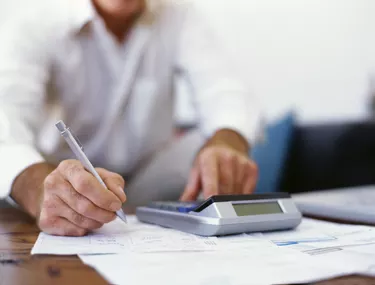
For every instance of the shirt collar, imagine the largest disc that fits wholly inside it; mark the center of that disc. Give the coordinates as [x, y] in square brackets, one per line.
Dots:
[86, 13]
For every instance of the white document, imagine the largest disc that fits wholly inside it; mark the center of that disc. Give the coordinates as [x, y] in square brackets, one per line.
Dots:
[314, 251]
[240, 259]
[322, 234]
[260, 263]
[117, 237]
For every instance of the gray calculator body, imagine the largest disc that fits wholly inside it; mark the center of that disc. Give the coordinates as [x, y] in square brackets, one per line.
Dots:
[225, 214]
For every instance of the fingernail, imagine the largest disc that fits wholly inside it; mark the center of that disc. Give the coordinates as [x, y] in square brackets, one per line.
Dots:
[115, 206]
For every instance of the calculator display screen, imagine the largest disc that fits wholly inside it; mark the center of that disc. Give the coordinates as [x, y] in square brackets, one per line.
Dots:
[257, 208]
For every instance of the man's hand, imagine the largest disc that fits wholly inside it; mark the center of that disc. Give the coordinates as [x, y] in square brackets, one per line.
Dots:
[222, 167]
[72, 201]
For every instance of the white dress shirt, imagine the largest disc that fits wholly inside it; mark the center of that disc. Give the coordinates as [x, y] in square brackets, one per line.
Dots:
[57, 61]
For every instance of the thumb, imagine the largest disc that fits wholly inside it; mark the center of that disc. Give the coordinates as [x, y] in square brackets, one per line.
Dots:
[192, 188]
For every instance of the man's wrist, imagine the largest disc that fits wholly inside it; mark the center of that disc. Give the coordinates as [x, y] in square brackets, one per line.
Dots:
[28, 186]
[229, 138]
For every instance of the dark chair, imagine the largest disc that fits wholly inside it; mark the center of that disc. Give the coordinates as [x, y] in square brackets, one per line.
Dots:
[330, 156]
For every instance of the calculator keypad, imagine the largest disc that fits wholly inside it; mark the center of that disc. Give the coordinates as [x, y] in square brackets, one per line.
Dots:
[182, 207]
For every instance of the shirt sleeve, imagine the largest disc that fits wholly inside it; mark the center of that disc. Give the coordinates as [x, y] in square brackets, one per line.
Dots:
[220, 98]
[24, 73]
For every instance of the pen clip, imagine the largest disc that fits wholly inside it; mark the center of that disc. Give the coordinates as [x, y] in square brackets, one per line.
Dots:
[76, 139]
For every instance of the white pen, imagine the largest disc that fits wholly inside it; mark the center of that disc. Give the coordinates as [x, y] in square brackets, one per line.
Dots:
[77, 148]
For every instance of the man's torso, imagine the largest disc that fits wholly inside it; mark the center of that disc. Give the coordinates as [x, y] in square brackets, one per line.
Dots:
[117, 99]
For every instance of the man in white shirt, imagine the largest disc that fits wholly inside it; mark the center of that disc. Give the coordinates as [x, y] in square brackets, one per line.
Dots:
[107, 68]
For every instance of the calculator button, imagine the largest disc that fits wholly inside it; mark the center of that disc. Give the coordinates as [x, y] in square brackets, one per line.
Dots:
[174, 206]
[186, 208]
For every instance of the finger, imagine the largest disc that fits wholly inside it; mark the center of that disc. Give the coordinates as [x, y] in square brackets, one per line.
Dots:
[226, 164]
[239, 174]
[60, 226]
[250, 178]
[80, 204]
[191, 191]
[87, 185]
[114, 182]
[78, 219]
[209, 173]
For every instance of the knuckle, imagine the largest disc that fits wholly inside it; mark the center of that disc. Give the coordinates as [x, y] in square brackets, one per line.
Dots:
[228, 157]
[96, 226]
[108, 204]
[66, 164]
[243, 163]
[236, 159]
[63, 164]
[109, 218]
[207, 152]
[50, 182]
[83, 184]
[74, 232]
[74, 194]
[47, 222]
[72, 170]
[81, 232]
[78, 219]
[70, 167]
[86, 208]
[49, 204]
[93, 225]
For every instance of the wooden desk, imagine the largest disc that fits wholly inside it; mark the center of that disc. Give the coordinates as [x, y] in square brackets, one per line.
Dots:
[18, 234]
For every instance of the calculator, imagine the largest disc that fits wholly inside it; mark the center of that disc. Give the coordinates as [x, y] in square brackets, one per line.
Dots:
[225, 214]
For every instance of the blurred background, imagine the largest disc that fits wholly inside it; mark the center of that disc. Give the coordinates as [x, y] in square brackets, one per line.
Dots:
[313, 56]
[311, 63]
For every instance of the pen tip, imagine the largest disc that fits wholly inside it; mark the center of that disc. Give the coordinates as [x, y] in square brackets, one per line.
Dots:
[122, 216]
[60, 126]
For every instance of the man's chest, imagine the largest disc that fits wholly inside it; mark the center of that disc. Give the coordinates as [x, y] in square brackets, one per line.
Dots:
[92, 95]
[87, 74]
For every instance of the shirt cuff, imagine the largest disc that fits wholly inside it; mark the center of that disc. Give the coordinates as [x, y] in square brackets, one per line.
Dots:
[247, 123]
[14, 159]
[248, 130]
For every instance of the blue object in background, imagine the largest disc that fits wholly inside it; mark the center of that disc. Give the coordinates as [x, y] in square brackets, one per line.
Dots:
[271, 155]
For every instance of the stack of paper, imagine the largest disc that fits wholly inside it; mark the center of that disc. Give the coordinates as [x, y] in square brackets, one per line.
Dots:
[136, 253]
[117, 237]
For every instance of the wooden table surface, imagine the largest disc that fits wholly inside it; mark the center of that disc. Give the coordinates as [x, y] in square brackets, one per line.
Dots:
[18, 234]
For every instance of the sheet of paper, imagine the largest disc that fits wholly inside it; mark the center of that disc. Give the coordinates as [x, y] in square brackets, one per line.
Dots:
[239, 259]
[260, 263]
[321, 234]
[315, 237]
[117, 237]
[136, 253]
